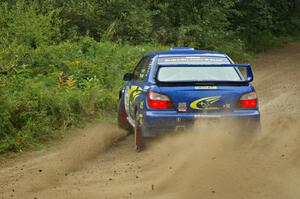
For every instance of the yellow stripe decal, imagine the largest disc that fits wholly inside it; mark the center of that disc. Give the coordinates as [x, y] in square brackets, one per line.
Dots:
[206, 101]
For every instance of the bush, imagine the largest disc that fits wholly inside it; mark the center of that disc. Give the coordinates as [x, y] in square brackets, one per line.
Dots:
[61, 86]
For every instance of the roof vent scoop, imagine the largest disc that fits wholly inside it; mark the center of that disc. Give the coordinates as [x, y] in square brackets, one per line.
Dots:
[182, 48]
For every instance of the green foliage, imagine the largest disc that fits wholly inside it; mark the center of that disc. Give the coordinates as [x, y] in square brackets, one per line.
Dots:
[264, 24]
[23, 29]
[79, 81]
[25, 25]
[62, 61]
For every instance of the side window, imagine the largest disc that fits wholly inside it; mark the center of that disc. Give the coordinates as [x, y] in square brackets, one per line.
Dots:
[145, 68]
[138, 69]
[141, 70]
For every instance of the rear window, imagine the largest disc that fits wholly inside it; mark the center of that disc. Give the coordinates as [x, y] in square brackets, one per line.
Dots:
[197, 74]
[190, 60]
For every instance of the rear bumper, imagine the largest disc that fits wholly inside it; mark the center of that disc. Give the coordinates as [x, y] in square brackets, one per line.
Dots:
[156, 122]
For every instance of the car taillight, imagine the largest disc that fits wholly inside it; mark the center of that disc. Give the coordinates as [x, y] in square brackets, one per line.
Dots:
[159, 101]
[248, 100]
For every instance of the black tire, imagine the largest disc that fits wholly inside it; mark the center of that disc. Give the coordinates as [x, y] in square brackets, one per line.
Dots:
[122, 117]
[138, 139]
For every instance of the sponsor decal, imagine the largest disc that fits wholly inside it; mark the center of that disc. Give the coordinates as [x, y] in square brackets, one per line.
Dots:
[141, 119]
[205, 103]
[131, 93]
[141, 105]
[134, 92]
[182, 107]
[206, 87]
[227, 106]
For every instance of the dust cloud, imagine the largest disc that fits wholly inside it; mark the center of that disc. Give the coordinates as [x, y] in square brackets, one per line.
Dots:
[68, 158]
[216, 163]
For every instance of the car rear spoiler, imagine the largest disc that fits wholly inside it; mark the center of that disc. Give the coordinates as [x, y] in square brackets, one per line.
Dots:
[244, 71]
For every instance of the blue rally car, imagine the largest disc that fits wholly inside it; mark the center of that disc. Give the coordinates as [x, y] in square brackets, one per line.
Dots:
[171, 90]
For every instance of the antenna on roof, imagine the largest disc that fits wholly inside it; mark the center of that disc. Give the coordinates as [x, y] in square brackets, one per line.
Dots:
[182, 48]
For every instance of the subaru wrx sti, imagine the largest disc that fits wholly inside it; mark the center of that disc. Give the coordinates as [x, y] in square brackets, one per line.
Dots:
[172, 90]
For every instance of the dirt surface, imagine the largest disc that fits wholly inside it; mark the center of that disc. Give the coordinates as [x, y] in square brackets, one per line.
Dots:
[199, 164]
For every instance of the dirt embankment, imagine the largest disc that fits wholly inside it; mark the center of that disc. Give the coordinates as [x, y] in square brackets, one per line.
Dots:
[199, 164]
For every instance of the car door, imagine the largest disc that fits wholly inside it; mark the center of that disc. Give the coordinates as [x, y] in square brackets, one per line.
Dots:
[135, 87]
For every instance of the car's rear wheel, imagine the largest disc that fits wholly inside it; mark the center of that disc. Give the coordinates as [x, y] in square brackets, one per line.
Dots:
[138, 139]
[122, 116]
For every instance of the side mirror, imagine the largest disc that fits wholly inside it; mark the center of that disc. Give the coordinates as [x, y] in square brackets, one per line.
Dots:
[128, 77]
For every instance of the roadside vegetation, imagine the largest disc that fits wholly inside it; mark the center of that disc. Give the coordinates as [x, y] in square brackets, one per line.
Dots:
[62, 61]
